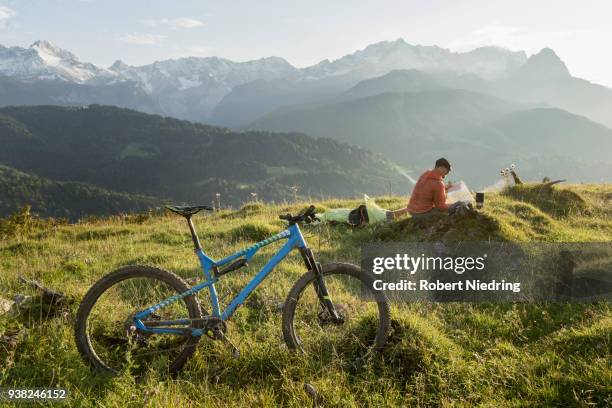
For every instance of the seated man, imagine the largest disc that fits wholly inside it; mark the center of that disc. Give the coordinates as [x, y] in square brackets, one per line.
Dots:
[429, 194]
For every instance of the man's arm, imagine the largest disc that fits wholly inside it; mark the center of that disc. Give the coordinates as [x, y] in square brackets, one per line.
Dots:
[392, 215]
[440, 197]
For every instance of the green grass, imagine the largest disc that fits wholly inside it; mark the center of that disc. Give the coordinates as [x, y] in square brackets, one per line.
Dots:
[438, 354]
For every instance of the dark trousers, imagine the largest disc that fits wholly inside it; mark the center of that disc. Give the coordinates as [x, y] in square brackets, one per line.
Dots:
[433, 211]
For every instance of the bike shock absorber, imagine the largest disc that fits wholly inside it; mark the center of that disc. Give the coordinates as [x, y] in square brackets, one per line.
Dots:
[319, 284]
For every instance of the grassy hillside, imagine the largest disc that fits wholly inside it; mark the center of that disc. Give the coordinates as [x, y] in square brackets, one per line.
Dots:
[136, 153]
[438, 355]
[71, 200]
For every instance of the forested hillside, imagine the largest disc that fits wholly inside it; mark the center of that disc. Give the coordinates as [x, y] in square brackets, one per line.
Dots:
[136, 153]
[70, 200]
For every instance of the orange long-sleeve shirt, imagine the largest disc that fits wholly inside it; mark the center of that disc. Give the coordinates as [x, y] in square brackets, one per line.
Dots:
[429, 192]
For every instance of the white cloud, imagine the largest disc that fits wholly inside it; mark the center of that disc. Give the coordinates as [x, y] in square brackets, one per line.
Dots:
[581, 48]
[515, 38]
[142, 39]
[521, 38]
[176, 23]
[5, 15]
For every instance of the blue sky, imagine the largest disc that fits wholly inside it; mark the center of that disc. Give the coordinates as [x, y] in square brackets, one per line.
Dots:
[305, 32]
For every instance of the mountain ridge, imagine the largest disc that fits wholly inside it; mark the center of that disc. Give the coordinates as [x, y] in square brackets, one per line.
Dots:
[232, 94]
[544, 65]
[478, 132]
[191, 87]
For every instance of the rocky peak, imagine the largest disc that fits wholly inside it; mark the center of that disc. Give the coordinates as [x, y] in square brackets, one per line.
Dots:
[546, 64]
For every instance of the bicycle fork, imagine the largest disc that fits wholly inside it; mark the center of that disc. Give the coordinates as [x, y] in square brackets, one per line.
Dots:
[319, 285]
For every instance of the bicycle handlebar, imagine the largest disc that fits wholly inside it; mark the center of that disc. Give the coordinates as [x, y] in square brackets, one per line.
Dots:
[307, 216]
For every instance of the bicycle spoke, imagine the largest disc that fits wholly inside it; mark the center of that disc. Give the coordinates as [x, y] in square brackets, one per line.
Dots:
[111, 331]
[354, 336]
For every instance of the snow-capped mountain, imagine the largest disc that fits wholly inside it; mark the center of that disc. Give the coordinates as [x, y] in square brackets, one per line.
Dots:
[44, 61]
[192, 72]
[191, 87]
[186, 88]
[229, 93]
[383, 57]
[327, 79]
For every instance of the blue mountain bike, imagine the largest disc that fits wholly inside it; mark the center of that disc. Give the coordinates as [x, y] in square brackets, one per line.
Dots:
[141, 317]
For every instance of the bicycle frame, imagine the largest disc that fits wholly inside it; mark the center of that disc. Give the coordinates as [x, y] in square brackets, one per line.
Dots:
[294, 240]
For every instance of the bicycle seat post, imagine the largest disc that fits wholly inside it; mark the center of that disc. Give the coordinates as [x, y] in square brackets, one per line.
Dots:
[194, 236]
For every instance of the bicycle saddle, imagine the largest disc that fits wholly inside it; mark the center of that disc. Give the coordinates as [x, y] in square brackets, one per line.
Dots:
[188, 210]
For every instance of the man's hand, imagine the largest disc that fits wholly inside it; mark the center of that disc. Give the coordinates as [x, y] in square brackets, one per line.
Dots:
[394, 215]
[448, 185]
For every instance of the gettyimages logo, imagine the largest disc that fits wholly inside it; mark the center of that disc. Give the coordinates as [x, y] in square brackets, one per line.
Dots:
[410, 264]
[490, 271]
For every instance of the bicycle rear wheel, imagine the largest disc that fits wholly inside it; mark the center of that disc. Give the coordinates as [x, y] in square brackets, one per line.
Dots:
[104, 330]
[308, 327]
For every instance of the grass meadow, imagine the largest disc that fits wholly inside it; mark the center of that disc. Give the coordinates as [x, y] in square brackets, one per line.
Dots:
[439, 354]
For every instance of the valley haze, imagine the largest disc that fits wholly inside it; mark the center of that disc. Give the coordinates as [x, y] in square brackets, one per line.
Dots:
[484, 109]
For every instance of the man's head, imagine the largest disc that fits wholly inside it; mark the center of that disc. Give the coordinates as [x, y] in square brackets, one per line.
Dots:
[443, 166]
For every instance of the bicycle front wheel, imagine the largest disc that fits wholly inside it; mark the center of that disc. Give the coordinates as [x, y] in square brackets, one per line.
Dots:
[106, 337]
[308, 327]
